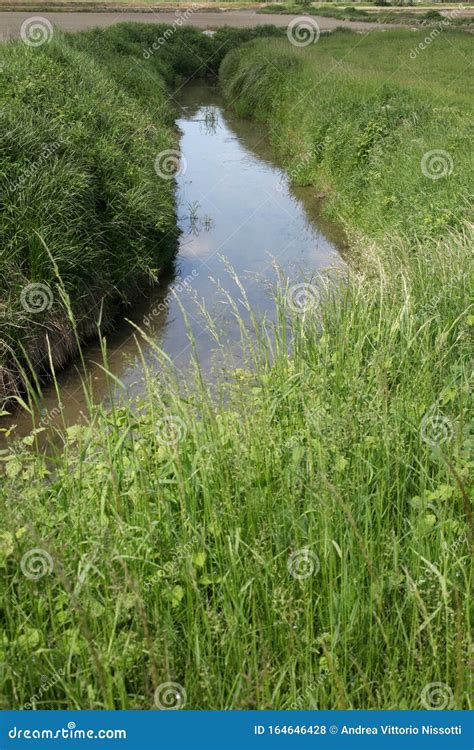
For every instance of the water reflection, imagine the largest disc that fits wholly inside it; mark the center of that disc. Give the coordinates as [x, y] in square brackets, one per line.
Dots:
[233, 202]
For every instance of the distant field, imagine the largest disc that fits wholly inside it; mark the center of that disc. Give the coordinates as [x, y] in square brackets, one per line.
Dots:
[389, 14]
[218, 5]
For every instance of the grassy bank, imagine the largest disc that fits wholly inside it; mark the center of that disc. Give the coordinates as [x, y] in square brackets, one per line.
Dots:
[80, 199]
[383, 129]
[301, 537]
[407, 16]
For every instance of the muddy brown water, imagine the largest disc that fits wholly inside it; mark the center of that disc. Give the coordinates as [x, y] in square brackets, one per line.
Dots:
[234, 202]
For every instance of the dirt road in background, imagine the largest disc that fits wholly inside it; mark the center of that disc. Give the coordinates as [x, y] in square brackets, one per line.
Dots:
[10, 21]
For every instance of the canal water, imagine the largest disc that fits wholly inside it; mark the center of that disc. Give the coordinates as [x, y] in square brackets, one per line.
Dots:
[235, 207]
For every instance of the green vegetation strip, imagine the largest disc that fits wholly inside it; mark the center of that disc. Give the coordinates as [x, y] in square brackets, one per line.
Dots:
[301, 538]
[430, 17]
[380, 124]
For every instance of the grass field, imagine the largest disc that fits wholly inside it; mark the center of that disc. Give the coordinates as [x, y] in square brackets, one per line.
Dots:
[301, 537]
[389, 14]
[369, 122]
[422, 14]
[233, 4]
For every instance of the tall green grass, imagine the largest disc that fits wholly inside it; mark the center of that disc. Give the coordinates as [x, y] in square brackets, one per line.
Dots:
[357, 116]
[299, 540]
[79, 193]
